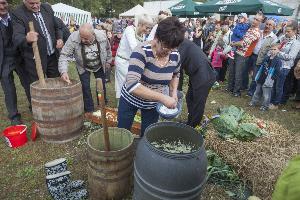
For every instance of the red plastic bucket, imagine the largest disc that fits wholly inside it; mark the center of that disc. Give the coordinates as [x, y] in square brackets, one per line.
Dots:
[15, 136]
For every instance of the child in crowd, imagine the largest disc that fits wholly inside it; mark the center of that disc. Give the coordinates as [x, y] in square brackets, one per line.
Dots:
[265, 78]
[114, 44]
[217, 58]
[239, 30]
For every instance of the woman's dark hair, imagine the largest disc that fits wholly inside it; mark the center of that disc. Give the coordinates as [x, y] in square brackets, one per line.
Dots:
[170, 32]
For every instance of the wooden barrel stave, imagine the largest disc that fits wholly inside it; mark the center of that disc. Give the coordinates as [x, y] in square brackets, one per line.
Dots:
[58, 110]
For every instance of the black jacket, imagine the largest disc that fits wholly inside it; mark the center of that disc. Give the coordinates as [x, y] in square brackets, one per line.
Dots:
[21, 17]
[65, 31]
[195, 64]
[201, 78]
[1, 51]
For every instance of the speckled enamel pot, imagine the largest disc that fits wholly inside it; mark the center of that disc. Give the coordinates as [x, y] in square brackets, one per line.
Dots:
[56, 166]
[57, 184]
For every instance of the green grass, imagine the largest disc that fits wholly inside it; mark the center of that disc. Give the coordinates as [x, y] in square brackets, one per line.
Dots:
[22, 174]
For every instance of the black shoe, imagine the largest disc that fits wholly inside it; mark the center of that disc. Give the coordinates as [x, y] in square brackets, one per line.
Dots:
[237, 94]
[264, 108]
[249, 94]
[16, 120]
[228, 90]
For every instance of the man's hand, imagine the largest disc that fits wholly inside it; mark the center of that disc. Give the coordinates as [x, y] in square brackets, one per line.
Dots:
[59, 44]
[31, 37]
[65, 77]
[237, 44]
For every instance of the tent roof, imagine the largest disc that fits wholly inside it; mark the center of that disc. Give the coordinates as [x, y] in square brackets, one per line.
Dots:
[60, 7]
[185, 8]
[155, 6]
[247, 6]
[136, 10]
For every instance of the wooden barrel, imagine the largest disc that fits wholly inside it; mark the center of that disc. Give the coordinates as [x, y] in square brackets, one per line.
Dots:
[57, 109]
[110, 174]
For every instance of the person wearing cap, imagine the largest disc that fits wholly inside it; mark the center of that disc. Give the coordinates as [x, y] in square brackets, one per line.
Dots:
[240, 28]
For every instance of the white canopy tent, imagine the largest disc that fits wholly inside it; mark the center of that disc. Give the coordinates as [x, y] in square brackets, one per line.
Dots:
[80, 16]
[155, 6]
[136, 10]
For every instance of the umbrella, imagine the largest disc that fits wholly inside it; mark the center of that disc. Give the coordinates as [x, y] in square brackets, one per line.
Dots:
[246, 6]
[185, 8]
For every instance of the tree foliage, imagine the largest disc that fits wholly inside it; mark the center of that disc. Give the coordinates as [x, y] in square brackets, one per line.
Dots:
[99, 8]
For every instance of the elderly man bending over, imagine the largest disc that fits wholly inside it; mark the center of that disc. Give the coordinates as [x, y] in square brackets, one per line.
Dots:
[92, 53]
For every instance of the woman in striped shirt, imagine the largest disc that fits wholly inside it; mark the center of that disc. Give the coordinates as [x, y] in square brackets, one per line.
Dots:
[153, 67]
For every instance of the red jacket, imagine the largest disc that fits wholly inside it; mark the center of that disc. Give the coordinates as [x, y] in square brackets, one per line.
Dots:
[114, 47]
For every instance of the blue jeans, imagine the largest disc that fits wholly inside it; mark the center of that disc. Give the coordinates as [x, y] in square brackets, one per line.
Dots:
[262, 93]
[252, 86]
[86, 88]
[278, 89]
[217, 72]
[254, 67]
[127, 111]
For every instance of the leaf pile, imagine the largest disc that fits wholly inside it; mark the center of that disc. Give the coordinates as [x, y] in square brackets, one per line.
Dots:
[235, 123]
[174, 146]
[218, 172]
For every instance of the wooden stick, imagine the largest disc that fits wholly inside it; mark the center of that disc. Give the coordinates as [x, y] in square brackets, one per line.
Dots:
[103, 112]
[38, 63]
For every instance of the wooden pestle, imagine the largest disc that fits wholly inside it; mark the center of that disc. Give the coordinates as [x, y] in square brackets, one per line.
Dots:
[38, 63]
[100, 91]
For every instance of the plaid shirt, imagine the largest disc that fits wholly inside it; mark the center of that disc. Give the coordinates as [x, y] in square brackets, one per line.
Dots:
[249, 41]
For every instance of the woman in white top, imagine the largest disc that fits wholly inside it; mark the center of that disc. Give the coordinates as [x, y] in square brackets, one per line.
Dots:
[132, 36]
[163, 14]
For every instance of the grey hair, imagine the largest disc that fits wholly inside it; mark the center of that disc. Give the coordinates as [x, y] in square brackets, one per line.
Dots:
[87, 28]
[143, 19]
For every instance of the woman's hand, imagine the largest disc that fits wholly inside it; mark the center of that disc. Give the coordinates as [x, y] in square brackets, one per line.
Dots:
[169, 102]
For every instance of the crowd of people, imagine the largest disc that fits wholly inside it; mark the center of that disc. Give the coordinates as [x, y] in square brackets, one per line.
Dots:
[259, 54]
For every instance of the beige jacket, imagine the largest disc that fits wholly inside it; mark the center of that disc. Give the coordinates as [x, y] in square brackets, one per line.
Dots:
[73, 48]
[265, 47]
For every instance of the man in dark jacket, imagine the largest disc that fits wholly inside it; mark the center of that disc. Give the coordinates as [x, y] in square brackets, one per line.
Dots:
[65, 31]
[47, 34]
[201, 78]
[8, 57]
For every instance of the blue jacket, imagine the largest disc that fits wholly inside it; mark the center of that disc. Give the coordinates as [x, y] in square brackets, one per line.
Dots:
[269, 68]
[239, 31]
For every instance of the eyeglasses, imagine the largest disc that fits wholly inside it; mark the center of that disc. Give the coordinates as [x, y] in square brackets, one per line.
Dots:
[257, 19]
[166, 48]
